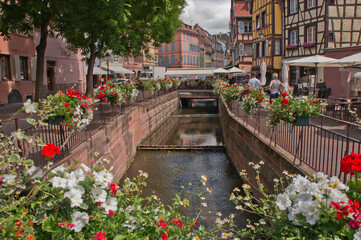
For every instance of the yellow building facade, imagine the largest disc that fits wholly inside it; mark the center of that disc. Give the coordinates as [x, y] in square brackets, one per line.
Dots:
[267, 35]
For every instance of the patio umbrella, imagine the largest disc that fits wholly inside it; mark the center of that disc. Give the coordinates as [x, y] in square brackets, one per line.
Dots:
[220, 70]
[236, 70]
[350, 61]
[263, 69]
[285, 69]
[312, 61]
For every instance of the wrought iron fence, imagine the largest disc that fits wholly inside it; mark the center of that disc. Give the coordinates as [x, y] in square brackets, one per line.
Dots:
[321, 145]
[61, 136]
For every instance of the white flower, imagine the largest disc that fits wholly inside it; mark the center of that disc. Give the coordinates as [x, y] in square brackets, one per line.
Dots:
[59, 182]
[283, 201]
[85, 167]
[29, 107]
[59, 169]
[99, 194]
[246, 186]
[357, 235]
[31, 170]
[103, 178]
[75, 177]
[204, 204]
[239, 207]
[209, 190]
[219, 214]
[79, 219]
[110, 204]
[9, 178]
[75, 196]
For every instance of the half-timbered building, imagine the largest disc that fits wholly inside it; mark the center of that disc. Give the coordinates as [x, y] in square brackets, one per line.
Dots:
[267, 35]
[317, 27]
[241, 35]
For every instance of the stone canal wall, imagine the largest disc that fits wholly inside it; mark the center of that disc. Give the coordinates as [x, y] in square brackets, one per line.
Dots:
[243, 146]
[119, 138]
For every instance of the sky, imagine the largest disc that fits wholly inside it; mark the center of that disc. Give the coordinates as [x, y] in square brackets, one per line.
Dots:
[211, 15]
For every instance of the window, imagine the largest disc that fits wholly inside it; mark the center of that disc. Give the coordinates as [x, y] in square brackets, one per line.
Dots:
[161, 61]
[293, 37]
[165, 47]
[311, 34]
[265, 48]
[260, 49]
[331, 2]
[293, 6]
[166, 61]
[184, 46]
[24, 68]
[240, 27]
[277, 47]
[248, 27]
[264, 19]
[196, 39]
[311, 3]
[241, 49]
[50, 74]
[160, 49]
[5, 67]
[172, 59]
[184, 35]
[194, 60]
[331, 37]
[258, 23]
[187, 36]
[185, 59]
[197, 61]
[188, 62]
[199, 48]
[173, 46]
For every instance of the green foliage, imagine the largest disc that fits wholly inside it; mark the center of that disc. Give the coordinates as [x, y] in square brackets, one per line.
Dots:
[227, 91]
[251, 99]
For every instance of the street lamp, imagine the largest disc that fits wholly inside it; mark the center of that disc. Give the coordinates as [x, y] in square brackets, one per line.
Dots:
[261, 35]
[107, 58]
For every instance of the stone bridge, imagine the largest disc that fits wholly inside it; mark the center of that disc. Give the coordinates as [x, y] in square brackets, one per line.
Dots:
[197, 94]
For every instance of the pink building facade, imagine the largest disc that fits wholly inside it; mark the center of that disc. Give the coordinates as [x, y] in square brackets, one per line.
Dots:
[63, 69]
[17, 58]
[134, 64]
[183, 52]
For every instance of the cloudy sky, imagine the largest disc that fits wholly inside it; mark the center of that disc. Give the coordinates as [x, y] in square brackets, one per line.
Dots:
[212, 15]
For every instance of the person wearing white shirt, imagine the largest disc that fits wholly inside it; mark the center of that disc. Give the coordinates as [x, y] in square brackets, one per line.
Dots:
[254, 82]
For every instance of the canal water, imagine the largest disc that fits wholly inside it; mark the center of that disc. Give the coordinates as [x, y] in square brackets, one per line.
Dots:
[196, 124]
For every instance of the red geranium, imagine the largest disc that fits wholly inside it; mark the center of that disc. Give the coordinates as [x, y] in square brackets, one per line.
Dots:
[50, 150]
[164, 236]
[351, 163]
[285, 101]
[284, 94]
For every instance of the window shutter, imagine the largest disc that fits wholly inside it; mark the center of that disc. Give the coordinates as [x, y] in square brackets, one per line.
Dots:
[241, 27]
[241, 49]
[33, 68]
[17, 67]
[266, 48]
[260, 49]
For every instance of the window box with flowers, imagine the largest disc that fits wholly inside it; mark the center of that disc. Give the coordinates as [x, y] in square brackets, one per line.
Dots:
[293, 110]
[308, 44]
[251, 100]
[291, 46]
[109, 93]
[71, 109]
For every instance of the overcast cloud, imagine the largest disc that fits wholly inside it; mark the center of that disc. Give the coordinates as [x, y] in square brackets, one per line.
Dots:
[211, 15]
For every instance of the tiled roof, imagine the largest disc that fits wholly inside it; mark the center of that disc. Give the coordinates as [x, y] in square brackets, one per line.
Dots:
[242, 9]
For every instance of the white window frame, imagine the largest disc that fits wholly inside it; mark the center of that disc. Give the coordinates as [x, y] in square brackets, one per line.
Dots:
[293, 37]
[311, 34]
[277, 47]
[241, 49]
[311, 3]
[241, 27]
[293, 6]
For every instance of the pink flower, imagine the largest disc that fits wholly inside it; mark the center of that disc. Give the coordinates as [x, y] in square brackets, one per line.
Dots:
[111, 213]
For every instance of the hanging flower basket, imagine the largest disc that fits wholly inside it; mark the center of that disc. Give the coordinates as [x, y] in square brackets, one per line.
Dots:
[291, 46]
[303, 121]
[56, 120]
[308, 44]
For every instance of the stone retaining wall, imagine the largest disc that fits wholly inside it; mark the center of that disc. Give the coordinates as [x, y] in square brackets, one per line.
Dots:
[119, 138]
[243, 146]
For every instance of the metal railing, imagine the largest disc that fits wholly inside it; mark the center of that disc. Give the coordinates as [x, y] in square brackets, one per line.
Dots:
[61, 136]
[321, 145]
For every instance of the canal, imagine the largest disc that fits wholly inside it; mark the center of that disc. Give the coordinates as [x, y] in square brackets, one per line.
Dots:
[196, 124]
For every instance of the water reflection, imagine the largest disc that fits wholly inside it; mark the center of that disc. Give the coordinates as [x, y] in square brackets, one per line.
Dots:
[169, 170]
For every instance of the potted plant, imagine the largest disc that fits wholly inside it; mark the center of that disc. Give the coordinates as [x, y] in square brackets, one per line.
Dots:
[296, 111]
[251, 99]
[129, 90]
[308, 44]
[109, 93]
[70, 109]
[291, 46]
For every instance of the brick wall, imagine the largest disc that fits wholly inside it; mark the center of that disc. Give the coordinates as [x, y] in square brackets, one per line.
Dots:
[119, 139]
[243, 146]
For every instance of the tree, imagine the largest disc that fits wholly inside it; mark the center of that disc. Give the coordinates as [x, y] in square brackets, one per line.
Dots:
[24, 17]
[123, 26]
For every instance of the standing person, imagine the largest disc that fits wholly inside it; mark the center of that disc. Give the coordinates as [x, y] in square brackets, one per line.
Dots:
[276, 87]
[254, 82]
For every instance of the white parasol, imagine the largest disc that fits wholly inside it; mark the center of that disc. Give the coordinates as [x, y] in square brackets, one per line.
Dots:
[263, 73]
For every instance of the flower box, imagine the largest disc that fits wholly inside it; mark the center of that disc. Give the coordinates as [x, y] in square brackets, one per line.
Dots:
[303, 121]
[308, 44]
[291, 46]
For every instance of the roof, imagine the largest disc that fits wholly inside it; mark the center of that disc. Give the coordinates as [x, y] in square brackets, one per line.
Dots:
[241, 9]
[187, 72]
